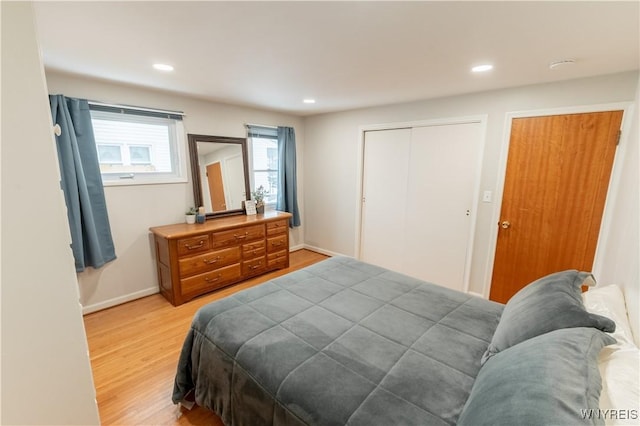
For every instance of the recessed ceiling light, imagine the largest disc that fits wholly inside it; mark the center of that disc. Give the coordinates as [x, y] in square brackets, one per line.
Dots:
[482, 68]
[309, 101]
[163, 67]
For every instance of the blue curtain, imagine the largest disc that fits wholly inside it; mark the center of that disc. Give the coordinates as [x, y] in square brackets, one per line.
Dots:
[91, 239]
[287, 187]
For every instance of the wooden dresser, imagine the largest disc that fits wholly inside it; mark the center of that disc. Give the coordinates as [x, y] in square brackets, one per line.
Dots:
[196, 259]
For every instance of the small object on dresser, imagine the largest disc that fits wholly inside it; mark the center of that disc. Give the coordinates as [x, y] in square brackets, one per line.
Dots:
[200, 217]
[190, 215]
[250, 207]
[258, 196]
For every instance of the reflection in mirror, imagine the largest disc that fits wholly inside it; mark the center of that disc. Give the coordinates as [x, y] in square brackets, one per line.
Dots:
[220, 173]
[221, 176]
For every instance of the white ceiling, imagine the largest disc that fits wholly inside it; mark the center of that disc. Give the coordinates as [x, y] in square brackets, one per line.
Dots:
[346, 55]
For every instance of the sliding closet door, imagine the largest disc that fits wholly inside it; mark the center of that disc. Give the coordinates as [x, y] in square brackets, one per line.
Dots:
[443, 179]
[386, 168]
[418, 193]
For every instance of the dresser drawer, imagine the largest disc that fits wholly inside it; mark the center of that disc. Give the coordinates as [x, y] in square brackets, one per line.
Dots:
[254, 249]
[277, 227]
[276, 243]
[210, 280]
[208, 261]
[278, 260]
[192, 245]
[237, 236]
[254, 266]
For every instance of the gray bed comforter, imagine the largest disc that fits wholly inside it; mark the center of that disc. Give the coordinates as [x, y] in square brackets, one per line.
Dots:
[339, 342]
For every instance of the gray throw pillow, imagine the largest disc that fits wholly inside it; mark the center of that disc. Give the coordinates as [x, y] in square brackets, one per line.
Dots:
[552, 379]
[547, 304]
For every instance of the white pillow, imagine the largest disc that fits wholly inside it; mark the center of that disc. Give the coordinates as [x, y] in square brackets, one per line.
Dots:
[619, 364]
[608, 301]
[620, 395]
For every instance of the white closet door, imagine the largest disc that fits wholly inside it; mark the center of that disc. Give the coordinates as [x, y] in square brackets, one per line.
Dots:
[386, 168]
[442, 181]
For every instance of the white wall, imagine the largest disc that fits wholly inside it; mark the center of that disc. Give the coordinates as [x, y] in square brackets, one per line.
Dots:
[46, 374]
[133, 209]
[331, 140]
[621, 251]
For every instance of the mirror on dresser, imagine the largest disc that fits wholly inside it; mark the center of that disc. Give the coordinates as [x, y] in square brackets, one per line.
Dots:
[220, 172]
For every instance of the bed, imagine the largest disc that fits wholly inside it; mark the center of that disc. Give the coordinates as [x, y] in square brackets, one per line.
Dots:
[345, 342]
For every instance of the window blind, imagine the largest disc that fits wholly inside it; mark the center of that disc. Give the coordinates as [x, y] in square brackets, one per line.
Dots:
[263, 132]
[131, 110]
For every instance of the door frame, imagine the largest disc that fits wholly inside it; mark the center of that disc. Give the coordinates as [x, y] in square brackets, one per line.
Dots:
[616, 174]
[480, 119]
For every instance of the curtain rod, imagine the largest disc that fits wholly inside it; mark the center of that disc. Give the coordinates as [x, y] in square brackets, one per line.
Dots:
[162, 111]
[261, 125]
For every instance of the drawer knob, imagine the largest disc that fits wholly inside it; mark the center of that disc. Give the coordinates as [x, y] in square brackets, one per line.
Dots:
[212, 261]
[241, 237]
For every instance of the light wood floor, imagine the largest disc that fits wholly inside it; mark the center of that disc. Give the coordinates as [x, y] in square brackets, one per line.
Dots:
[134, 351]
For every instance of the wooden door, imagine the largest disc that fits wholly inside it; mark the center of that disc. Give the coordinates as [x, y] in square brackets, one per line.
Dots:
[556, 182]
[216, 187]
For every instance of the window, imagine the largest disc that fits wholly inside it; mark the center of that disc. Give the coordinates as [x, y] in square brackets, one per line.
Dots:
[264, 150]
[109, 154]
[140, 154]
[138, 146]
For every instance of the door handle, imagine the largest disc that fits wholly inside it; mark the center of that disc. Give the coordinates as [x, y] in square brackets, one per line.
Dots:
[505, 224]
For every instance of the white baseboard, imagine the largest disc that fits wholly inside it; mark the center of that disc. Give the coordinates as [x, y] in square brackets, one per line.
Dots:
[323, 251]
[298, 247]
[473, 293]
[119, 300]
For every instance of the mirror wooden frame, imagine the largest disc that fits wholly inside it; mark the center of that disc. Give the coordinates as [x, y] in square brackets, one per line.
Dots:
[195, 169]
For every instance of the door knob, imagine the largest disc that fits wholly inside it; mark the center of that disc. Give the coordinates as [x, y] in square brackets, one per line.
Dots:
[505, 224]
